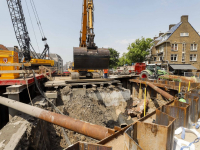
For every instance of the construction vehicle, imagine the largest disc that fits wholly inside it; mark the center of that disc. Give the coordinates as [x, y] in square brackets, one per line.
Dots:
[22, 35]
[76, 74]
[7, 56]
[135, 69]
[88, 57]
[153, 71]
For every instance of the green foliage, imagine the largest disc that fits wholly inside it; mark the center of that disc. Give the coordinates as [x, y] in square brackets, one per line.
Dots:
[114, 58]
[138, 50]
[124, 60]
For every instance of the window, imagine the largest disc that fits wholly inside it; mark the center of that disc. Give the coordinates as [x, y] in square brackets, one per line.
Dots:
[154, 58]
[174, 47]
[193, 47]
[184, 45]
[184, 34]
[174, 57]
[183, 57]
[183, 52]
[193, 57]
[161, 48]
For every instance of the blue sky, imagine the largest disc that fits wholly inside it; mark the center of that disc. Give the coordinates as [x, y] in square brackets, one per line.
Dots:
[117, 22]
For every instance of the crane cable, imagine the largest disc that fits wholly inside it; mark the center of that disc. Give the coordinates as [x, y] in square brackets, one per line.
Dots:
[37, 18]
[32, 26]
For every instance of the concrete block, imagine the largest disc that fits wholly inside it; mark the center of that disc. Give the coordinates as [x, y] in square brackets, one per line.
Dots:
[79, 91]
[51, 95]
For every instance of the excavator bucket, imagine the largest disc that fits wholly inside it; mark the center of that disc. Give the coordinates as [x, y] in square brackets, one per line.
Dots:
[91, 59]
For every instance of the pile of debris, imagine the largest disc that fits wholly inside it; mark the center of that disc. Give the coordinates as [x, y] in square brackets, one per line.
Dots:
[138, 107]
[86, 109]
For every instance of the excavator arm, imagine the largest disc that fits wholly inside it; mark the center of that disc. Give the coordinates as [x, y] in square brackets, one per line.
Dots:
[83, 36]
[88, 55]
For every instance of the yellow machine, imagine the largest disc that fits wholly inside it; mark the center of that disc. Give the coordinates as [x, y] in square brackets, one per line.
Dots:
[7, 56]
[75, 74]
[24, 41]
[41, 62]
[88, 57]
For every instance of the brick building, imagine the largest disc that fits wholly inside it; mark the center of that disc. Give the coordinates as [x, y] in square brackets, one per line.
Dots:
[179, 45]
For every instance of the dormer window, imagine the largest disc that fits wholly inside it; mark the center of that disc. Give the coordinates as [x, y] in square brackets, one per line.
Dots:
[184, 34]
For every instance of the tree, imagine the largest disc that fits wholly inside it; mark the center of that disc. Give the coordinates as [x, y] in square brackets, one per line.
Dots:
[124, 60]
[139, 49]
[114, 58]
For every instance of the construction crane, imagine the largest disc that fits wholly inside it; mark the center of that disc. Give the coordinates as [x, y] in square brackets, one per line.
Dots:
[22, 35]
[88, 57]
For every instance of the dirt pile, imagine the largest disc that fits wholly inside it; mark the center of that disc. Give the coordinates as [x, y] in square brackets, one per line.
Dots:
[86, 109]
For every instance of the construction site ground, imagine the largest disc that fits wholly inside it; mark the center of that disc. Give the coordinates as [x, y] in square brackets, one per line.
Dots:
[91, 101]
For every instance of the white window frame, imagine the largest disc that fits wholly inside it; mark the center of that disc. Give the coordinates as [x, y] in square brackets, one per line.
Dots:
[159, 58]
[192, 57]
[184, 34]
[173, 45]
[182, 57]
[184, 48]
[173, 57]
[193, 47]
[183, 52]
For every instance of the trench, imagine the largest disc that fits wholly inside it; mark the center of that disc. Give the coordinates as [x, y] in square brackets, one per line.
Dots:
[44, 135]
[24, 98]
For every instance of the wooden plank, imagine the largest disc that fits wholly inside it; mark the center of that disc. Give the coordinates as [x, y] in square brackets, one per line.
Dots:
[52, 84]
[17, 71]
[88, 80]
[15, 64]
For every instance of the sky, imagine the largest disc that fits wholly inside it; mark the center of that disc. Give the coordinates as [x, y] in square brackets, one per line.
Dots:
[117, 23]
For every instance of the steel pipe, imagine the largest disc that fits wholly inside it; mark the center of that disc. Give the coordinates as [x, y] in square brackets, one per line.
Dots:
[163, 93]
[181, 78]
[88, 129]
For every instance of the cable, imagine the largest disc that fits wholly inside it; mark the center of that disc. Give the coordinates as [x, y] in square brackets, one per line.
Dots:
[28, 92]
[32, 26]
[37, 18]
[41, 92]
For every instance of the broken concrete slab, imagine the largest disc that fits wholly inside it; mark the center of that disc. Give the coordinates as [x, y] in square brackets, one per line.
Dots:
[51, 95]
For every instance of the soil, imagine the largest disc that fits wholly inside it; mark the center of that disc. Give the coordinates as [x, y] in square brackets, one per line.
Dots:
[86, 109]
[155, 103]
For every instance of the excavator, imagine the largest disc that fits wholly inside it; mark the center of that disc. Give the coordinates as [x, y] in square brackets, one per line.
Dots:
[88, 58]
[22, 36]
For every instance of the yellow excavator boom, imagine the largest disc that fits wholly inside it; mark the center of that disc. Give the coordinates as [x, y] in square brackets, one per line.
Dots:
[88, 55]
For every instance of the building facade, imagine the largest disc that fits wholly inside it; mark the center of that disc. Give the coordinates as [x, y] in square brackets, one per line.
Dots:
[179, 45]
[58, 62]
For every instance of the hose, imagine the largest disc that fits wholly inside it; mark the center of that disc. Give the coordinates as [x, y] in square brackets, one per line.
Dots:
[54, 107]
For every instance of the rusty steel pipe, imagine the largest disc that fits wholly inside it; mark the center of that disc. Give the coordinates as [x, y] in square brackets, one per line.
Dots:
[163, 93]
[88, 129]
[181, 78]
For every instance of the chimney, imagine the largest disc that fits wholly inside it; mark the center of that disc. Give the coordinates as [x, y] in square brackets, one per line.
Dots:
[155, 38]
[160, 34]
[171, 25]
[184, 18]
